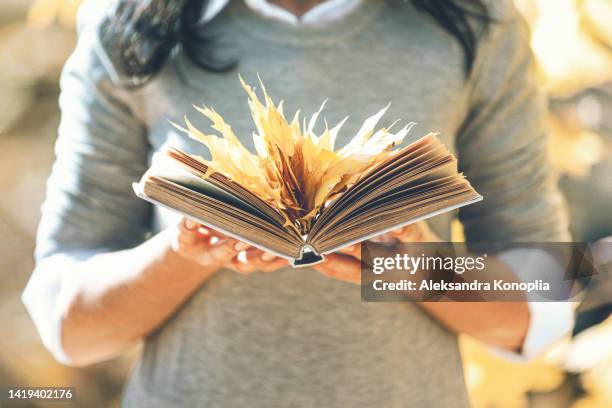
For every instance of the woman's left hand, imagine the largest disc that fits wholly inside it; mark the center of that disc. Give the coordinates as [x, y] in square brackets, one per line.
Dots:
[345, 265]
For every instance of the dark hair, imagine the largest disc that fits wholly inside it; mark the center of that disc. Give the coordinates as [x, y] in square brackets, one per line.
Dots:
[140, 34]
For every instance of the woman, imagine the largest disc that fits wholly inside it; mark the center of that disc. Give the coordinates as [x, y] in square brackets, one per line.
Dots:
[112, 270]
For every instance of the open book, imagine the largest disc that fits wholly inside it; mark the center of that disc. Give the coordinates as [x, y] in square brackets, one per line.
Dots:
[299, 198]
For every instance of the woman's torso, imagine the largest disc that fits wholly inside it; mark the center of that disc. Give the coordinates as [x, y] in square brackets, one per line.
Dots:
[295, 337]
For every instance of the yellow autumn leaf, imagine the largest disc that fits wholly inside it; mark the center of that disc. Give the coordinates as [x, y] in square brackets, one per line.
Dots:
[294, 169]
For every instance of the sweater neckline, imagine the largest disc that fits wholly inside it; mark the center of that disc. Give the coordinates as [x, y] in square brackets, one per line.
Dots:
[328, 33]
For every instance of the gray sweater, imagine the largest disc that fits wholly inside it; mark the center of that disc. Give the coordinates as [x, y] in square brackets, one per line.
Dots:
[295, 338]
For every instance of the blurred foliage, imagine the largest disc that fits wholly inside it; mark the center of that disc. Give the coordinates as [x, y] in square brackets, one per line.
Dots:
[28, 59]
[495, 381]
[591, 354]
[572, 42]
[43, 13]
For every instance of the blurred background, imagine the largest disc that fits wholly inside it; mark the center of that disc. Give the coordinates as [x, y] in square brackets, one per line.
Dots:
[572, 41]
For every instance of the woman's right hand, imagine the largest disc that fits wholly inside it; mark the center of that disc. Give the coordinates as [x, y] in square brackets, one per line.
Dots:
[214, 250]
[209, 248]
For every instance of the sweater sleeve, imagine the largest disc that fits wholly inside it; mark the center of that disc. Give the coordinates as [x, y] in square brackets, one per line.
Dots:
[90, 207]
[502, 145]
[503, 150]
[101, 149]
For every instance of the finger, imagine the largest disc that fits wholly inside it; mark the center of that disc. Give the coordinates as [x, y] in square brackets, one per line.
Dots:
[409, 233]
[258, 257]
[215, 233]
[188, 232]
[386, 237]
[352, 250]
[401, 231]
[221, 249]
[261, 260]
[240, 265]
[190, 225]
[209, 232]
[268, 256]
[241, 246]
[341, 267]
[340, 262]
[253, 254]
[273, 265]
[216, 239]
[205, 230]
[192, 233]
